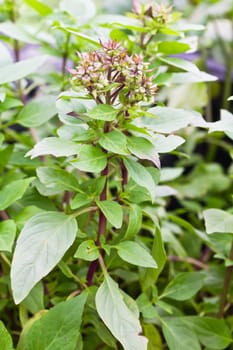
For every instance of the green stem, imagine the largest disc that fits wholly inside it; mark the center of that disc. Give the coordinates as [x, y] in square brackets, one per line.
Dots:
[83, 211]
[101, 229]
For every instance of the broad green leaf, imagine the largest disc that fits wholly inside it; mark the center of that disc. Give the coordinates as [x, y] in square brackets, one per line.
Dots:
[179, 96]
[55, 146]
[167, 119]
[5, 58]
[211, 332]
[17, 32]
[13, 191]
[91, 159]
[184, 26]
[140, 175]
[37, 112]
[112, 211]
[172, 47]
[224, 124]
[117, 316]
[34, 302]
[59, 328]
[149, 276]
[184, 286]
[7, 235]
[87, 250]
[10, 102]
[103, 333]
[188, 77]
[103, 112]
[135, 254]
[178, 335]
[5, 338]
[39, 7]
[79, 200]
[82, 9]
[115, 142]
[152, 334]
[217, 220]
[165, 144]
[134, 222]
[18, 159]
[19, 70]
[169, 174]
[143, 149]
[71, 103]
[180, 63]
[41, 244]
[57, 179]
[25, 214]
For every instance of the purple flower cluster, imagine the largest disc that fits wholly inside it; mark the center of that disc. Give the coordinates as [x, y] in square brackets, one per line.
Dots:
[110, 75]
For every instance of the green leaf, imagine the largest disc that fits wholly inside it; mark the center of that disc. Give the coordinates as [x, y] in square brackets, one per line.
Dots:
[4, 60]
[224, 124]
[13, 191]
[135, 221]
[103, 112]
[10, 103]
[37, 112]
[81, 9]
[90, 159]
[88, 251]
[150, 276]
[5, 338]
[57, 179]
[167, 119]
[59, 328]
[143, 149]
[180, 63]
[112, 211]
[55, 146]
[79, 200]
[184, 286]
[211, 332]
[115, 142]
[152, 334]
[169, 174]
[172, 47]
[7, 235]
[34, 302]
[188, 77]
[19, 70]
[217, 220]
[140, 175]
[135, 254]
[178, 335]
[39, 7]
[117, 316]
[41, 244]
[16, 31]
[165, 144]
